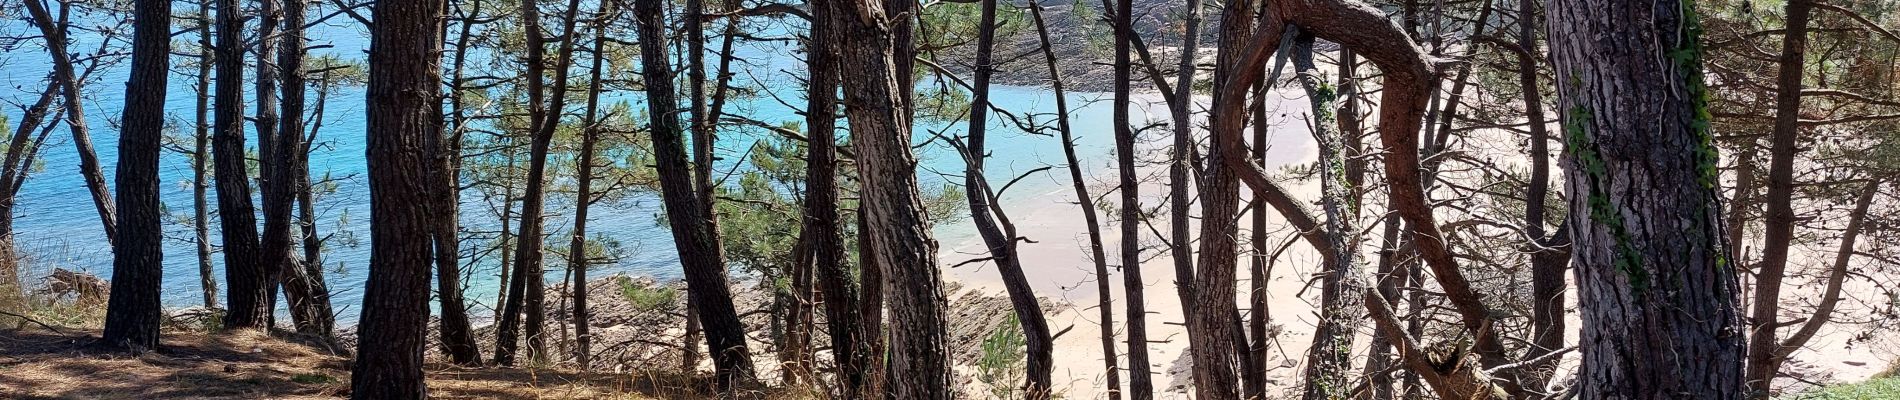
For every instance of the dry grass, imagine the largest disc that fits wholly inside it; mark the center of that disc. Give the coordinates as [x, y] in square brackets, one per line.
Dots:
[39, 364]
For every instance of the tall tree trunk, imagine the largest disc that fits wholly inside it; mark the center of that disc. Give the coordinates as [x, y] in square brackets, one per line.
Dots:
[706, 285]
[1778, 234]
[1548, 260]
[132, 312]
[993, 225]
[822, 221]
[1105, 301]
[54, 30]
[583, 189]
[405, 84]
[250, 284]
[458, 336]
[1181, 160]
[1140, 375]
[526, 293]
[201, 155]
[1659, 296]
[895, 224]
[304, 287]
[1211, 332]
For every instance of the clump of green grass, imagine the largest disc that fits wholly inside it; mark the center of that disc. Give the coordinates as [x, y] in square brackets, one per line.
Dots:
[1877, 388]
[313, 379]
[645, 297]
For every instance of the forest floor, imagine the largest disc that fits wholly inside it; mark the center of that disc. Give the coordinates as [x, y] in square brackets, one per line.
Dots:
[37, 363]
[638, 341]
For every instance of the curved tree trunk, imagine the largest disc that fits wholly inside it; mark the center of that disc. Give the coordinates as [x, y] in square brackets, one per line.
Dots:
[53, 30]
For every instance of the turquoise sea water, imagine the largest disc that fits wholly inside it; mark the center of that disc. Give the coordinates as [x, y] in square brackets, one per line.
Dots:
[57, 226]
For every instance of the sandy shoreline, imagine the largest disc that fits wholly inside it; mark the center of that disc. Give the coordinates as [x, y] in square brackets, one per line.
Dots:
[1059, 268]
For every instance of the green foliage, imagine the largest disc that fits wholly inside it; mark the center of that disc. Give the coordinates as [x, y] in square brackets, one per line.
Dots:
[313, 379]
[1878, 388]
[1001, 365]
[646, 298]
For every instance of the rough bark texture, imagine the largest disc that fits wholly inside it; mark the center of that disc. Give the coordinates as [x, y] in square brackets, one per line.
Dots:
[132, 312]
[404, 91]
[896, 227]
[250, 287]
[822, 222]
[1778, 226]
[1212, 332]
[285, 170]
[1657, 291]
[705, 269]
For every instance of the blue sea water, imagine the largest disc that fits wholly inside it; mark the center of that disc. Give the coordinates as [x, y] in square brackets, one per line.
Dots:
[56, 224]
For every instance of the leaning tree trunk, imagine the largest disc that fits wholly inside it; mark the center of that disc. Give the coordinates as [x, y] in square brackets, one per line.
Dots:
[895, 224]
[525, 292]
[405, 87]
[1329, 360]
[54, 31]
[998, 234]
[1103, 287]
[249, 283]
[706, 286]
[132, 312]
[821, 208]
[1656, 287]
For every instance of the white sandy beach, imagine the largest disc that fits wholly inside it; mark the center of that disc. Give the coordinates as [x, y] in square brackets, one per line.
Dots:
[1060, 269]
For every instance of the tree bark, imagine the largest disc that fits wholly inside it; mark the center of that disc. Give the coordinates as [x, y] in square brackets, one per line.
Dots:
[1105, 297]
[1658, 293]
[583, 190]
[304, 287]
[993, 225]
[404, 91]
[821, 207]
[132, 312]
[1329, 360]
[896, 228]
[201, 155]
[251, 286]
[1140, 375]
[1778, 226]
[705, 268]
[458, 337]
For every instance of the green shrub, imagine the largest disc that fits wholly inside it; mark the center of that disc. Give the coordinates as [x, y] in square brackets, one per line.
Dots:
[647, 298]
[1001, 366]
